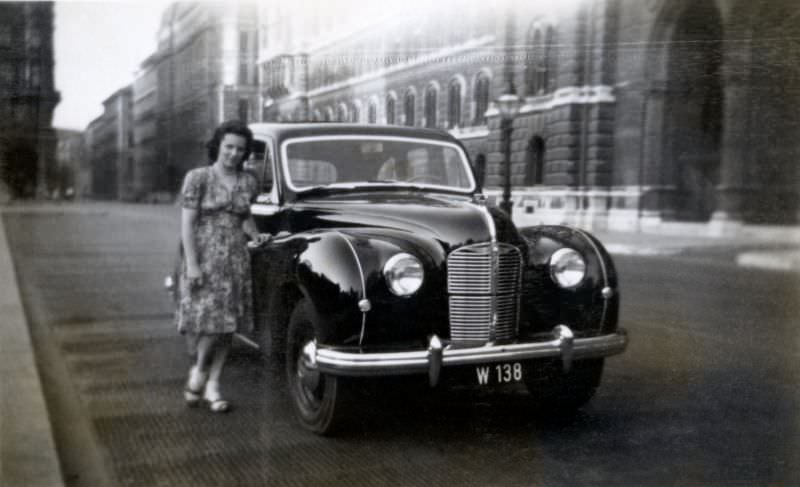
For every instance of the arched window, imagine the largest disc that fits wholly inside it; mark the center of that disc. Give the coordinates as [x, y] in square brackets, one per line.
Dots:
[390, 117]
[534, 161]
[329, 114]
[355, 115]
[372, 112]
[551, 60]
[540, 61]
[481, 97]
[341, 113]
[408, 103]
[454, 104]
[430, 107]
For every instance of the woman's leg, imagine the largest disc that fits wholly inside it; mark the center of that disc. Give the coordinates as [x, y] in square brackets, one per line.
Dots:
[198, 374]
[205, 350]
[222, 346]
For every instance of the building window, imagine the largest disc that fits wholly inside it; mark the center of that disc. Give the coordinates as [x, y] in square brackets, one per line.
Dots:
[372, 112]
[341, 113]
[35, 77]
[481, 98]
[454, 104]
[243, 79]
[551, 59]
[34, 39]
[534, 161]
[430, 107]
[356, 114]
[7, 74]
[5, 35]
[328, 114]
[540, 62]
[244, 107]
[408, 103]
[390, 117]
[244, 40]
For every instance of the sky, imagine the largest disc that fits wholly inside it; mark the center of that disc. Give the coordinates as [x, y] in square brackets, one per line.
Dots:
[98, 48]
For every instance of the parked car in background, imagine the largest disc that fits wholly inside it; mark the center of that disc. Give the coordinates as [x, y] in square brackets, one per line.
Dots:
[388, 261]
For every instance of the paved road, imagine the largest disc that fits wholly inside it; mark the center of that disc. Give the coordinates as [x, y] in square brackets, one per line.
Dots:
[707, 394]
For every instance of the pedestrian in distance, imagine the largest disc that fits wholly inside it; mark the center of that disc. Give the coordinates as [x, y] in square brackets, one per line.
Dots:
[214, 284]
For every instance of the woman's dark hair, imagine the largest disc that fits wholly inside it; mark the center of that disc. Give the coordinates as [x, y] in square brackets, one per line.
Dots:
[234, 127]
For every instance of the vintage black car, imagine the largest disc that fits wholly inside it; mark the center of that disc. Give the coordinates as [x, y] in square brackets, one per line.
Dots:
[387, 261]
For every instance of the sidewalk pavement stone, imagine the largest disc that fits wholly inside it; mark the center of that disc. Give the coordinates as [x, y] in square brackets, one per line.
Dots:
[28, 454]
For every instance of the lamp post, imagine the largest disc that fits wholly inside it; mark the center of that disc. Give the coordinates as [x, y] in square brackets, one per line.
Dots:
[508, 106]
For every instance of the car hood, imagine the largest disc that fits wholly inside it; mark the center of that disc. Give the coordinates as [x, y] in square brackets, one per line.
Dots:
[451, 220]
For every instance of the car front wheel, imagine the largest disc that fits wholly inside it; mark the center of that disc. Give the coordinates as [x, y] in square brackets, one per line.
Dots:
[319, 400]
[554, 390]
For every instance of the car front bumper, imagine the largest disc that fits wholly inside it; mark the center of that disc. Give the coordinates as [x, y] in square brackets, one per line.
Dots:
[561, 344]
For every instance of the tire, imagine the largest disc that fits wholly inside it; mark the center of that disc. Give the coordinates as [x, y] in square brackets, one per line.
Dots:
[320, 404]
[554, 391]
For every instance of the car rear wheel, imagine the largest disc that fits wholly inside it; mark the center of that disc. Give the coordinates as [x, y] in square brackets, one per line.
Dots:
[556, 391]
[319, 400]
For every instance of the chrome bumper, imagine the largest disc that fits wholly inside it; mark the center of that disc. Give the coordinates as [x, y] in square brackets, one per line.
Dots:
[563, 345]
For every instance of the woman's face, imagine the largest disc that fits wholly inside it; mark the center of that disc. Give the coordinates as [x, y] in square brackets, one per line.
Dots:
[231, 150]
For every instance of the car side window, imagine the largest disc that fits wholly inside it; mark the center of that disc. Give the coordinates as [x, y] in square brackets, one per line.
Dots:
[259, 165]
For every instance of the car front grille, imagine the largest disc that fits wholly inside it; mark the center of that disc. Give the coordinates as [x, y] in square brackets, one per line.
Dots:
[483, 283]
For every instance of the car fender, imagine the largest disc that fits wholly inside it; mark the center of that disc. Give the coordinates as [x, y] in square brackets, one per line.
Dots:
[589, 308]
[393, 319]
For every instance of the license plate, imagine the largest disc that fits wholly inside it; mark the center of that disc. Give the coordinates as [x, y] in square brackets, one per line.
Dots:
[504, 373]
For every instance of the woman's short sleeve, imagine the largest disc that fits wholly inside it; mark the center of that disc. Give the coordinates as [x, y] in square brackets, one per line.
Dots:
[192, 191]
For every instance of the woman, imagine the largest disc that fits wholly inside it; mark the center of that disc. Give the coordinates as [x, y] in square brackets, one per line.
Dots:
[215, 287]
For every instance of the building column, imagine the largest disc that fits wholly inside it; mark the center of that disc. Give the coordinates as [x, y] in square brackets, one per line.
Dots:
[656, 179]
[733, 189]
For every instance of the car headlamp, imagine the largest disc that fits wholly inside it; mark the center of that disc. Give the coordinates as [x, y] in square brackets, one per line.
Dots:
[567, 267]
[403, 273]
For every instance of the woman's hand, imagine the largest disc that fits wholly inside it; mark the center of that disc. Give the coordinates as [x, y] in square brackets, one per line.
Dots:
[259, 239]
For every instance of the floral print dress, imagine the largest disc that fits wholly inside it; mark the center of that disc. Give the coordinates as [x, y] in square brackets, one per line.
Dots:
[223, 303]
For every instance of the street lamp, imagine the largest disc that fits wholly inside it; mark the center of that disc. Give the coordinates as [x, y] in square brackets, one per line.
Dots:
[508, 105]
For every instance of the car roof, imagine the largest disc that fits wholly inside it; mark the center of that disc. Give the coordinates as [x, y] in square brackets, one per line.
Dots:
[282, 131]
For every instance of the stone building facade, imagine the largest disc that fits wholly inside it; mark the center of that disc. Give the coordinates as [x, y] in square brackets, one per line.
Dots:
[27, 98]
[148, 180]
[111, 148]
[204, 73]
[69, 154]
[633, 113]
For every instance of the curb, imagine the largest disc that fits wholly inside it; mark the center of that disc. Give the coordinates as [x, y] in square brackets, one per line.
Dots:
[778, 260]
[28, 453]
[622, 249]
[774, 260]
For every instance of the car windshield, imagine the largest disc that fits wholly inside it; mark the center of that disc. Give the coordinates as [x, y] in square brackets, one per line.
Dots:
[357, 161]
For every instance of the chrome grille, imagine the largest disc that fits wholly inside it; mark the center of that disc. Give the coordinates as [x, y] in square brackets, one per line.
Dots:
[483, 281]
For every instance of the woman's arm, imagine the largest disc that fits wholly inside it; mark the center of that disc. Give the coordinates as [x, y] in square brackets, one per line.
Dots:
[249, 227]
[188, 220]
[256, 239]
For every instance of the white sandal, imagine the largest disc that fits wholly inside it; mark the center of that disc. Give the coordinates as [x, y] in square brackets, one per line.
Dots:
[212, 396]
[194, 386]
